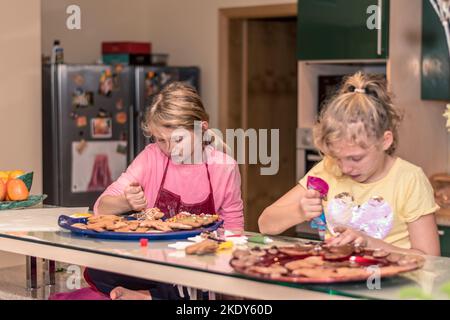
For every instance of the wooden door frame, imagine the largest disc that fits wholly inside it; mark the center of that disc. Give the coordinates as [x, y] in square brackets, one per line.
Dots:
[225, 15]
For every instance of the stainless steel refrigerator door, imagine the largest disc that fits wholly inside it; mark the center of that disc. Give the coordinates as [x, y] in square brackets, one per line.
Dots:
[69, 133]
[50, 134]
[148, 82]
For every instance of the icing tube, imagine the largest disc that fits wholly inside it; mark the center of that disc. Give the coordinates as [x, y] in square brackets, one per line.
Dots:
[321, 186]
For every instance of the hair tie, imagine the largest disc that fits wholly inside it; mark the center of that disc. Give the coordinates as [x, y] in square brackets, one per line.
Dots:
[360, 90]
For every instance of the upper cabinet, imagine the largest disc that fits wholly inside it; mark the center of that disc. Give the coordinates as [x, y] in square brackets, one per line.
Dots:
[435, 57]
[342, 29]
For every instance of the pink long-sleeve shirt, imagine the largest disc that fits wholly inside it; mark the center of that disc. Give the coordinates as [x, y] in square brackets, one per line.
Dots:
[190, 181]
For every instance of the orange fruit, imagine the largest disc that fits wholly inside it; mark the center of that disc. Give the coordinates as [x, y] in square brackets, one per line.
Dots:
[16, 173]
[4, 175]
[2, 190]
[17, 190]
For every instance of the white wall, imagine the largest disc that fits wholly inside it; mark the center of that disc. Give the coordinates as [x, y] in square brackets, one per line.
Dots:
[102, 20]
[188, 30]
[20, 92]
[20, 88]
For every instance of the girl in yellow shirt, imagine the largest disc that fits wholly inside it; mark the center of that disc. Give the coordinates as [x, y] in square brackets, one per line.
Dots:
[357, 133]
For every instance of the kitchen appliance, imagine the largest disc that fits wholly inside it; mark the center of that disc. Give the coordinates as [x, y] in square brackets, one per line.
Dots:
[148, 82]
[92, 124]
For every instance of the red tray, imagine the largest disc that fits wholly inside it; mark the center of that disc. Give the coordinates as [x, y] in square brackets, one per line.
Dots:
[386, 269]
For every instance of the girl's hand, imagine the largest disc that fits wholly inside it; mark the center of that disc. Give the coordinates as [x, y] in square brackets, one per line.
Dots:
[348, 235]
[135, 197]
[311, 204]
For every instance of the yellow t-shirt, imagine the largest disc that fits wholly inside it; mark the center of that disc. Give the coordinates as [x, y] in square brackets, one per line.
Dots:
[405, 188]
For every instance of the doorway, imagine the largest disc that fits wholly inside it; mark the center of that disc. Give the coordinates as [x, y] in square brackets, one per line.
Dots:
[258, 90]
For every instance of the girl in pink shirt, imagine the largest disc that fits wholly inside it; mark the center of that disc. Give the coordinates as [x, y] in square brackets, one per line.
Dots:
[176, 173]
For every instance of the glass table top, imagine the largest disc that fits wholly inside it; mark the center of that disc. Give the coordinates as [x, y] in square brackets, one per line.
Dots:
[40, 226]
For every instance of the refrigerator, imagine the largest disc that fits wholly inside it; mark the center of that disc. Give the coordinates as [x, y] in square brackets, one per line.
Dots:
[92, 124]
[148, 82]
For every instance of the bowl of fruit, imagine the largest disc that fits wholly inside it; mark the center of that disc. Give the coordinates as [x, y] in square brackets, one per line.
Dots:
[15, 187]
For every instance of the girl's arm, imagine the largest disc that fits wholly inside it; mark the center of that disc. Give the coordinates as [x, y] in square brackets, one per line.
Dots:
[423, 235]
[132, 199]
[126, 194]
[109, 205]
[231, 208]
[290, 210]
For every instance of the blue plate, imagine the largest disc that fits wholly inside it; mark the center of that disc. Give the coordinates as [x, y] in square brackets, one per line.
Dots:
[66, 222]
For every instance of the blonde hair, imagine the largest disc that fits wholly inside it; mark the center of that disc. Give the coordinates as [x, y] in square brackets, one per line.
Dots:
[178, 105]
[362, 109]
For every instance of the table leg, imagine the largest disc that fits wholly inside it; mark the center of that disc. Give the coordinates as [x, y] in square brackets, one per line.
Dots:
[31, 265]
[212, 295]
[50, 268]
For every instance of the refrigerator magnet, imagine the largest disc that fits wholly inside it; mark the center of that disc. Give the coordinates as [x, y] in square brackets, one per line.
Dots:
[165, 78]
[121, 117]
[118, 68]
[121, 148]
[82, 99]
[123, 136]
[150, 83]
[73, 115]
[78, 79]
[81, 121]
[116, 81]
[106, 83]
[81, 146]
[102, 113]
[119, 104]
[101, 128]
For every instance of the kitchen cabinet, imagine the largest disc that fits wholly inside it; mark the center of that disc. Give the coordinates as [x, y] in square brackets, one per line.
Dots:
[338, 30]
[435, 57]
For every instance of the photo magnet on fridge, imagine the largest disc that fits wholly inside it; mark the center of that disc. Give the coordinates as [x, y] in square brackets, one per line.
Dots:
[101, 128]
[82, 99]
[106, 83]
[97, 166]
